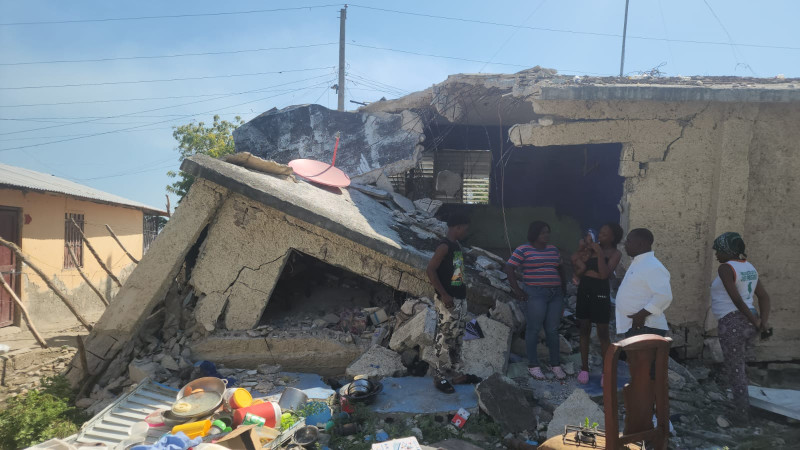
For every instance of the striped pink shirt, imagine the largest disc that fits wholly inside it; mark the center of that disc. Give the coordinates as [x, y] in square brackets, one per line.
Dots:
[539, 267]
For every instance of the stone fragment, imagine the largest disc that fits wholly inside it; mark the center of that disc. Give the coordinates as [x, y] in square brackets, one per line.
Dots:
[713, 350]
[679, 369]
[563, 345]
[723, 422]
[420, 330]
[676, 381]
[404, 203]
[84, 403]
[139, 370]
[319, 323]
[372, 191]
[428, 205]
[422, 234]
[487, 264]
[168, 363]
[574, 411]
[488, 355]
[379, 362]
[331, 318]
[505, 403]
[569, 368]
[509, 313]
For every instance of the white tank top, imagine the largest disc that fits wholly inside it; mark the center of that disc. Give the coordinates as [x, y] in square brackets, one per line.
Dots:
[746, 281]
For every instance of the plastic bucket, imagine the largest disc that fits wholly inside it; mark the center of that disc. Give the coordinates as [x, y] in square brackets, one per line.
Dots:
[236, 398]
[193, 429]
[270, 411]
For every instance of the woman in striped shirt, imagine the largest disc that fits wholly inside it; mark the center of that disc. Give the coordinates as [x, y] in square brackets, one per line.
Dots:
[543, 290]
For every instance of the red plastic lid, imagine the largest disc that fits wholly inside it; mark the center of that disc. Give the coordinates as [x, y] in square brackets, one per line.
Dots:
[320, 172]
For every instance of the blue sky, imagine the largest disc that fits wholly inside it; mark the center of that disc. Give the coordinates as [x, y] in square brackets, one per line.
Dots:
[126, 147]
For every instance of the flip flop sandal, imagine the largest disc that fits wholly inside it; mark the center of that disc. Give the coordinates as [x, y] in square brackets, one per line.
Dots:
[559, 372]
[536, 372]
[444, 385]
[583, 377]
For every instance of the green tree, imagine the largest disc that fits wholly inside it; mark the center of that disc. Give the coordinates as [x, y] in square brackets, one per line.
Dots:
[197, 138]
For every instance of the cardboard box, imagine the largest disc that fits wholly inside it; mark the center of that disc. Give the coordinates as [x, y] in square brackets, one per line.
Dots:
[242, 438]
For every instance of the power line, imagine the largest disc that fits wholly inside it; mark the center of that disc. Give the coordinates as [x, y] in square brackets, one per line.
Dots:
[159, 109]
[114, 100]
[153, 123]
[173, 16]
[511, 36]
[176, 55]
[106, 83]
[560, 30]
[463, 59]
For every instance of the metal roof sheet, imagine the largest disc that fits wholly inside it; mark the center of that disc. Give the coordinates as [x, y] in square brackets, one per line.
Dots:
[38, 181]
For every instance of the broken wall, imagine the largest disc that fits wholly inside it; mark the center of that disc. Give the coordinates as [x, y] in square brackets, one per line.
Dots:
[694, 170]
[245, 251]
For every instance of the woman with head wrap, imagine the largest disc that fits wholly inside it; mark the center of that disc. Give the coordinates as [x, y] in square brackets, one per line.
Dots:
[732, 303]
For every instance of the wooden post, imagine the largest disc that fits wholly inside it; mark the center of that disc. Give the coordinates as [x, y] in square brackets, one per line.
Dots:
[120, 244]
[85, 278]
[47, 281]
[96, 256]
[24, 310]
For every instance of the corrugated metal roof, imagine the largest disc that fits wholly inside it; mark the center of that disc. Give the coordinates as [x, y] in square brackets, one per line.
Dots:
[38, 181]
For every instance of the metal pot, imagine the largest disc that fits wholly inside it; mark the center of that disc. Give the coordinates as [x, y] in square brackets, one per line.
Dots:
[292, 399]
[200, 403]
[359, 387]
[305, 436]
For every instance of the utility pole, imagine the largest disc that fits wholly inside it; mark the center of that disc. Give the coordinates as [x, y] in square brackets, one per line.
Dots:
[624, 33]
[342, 18]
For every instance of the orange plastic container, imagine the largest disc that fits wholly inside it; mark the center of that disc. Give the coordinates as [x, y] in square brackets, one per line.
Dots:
[193, 429]
[270, 411]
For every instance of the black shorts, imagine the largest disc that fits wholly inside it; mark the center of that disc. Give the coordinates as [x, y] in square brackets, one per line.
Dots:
[594, 301]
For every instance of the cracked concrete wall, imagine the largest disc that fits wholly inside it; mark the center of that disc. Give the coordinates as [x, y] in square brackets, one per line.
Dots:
[245, 251]
[694, 170]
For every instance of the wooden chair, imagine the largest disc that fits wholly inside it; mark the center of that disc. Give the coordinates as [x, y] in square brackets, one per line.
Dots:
[647, 393]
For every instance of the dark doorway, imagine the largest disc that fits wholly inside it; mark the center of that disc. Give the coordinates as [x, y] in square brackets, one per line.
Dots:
[9, 230]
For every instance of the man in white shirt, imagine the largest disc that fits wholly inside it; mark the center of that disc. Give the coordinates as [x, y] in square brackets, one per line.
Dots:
[645, 291]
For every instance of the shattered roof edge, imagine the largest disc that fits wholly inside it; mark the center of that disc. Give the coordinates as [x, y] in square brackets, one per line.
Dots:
[197, 169]
[669, 93]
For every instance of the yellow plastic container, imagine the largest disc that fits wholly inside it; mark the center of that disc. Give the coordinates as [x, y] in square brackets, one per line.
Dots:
[193, 429]
[236, 398]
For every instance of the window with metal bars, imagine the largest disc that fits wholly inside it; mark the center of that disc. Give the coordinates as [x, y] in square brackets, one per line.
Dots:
[72, 239]
[149, 232]
[473, 166]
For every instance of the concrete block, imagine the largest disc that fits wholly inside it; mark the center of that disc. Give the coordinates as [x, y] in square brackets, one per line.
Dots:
[404, 203]
[713, 350]
[574, 411]
[390, 276]
[377, 362]
[506, 404]
[485, 263]
[420, 330]
[428, 205]
[489, 355]
[629, 169]
[138, 370]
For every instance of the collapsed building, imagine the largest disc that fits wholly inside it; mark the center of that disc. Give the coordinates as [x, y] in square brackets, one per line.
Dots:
[231, 276]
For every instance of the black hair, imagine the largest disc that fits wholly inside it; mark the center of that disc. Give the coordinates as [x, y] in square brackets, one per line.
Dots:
[456, 218]
[535, 229]
[644, 234]
[616, 230]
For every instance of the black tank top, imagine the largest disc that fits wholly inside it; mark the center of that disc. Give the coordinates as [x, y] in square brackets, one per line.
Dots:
[451, 270]
[591, 283]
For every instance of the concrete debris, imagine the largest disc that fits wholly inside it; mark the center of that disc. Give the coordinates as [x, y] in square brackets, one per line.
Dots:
[506, 404]
[414, 306]
[253, 162]
[139, 370]
[713, 350]
[510, 314]
[564, 345]
[404, 202]
[479, 251]
[574, 411]
[419, 331]
[377, 362]
[268, 369]
[487, 264]
[372, 191]
[428, 205]
[488, 355]
[370, 144]
[676, 381]
[723, 422]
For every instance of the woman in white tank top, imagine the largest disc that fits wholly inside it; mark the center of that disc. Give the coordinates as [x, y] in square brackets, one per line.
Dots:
[732, 303]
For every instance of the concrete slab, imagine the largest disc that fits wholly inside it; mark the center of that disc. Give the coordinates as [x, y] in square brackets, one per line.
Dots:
[416, 395]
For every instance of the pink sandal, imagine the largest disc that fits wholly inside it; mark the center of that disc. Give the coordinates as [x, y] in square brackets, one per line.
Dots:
[583, 377]
[536, 372]
[559, 372]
